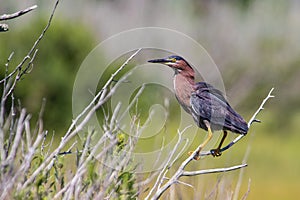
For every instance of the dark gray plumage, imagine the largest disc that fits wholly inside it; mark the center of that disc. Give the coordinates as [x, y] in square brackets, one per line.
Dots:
[206, 104]
[209, 104]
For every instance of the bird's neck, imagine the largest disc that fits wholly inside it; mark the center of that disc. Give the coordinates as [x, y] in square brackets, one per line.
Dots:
[189, 75]
[183, 86]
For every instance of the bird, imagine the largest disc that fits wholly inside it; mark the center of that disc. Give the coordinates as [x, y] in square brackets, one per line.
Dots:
[207, 105]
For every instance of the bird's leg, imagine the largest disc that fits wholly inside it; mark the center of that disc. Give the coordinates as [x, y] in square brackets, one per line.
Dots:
[216, 152]
[201, 146]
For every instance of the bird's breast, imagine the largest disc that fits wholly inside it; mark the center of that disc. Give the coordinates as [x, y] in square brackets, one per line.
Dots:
[183, 90]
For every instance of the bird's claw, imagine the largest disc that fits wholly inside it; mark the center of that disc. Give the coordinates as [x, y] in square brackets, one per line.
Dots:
[196, 157]
[215, 152]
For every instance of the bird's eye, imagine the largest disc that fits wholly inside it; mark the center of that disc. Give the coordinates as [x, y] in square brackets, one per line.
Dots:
[173, 60]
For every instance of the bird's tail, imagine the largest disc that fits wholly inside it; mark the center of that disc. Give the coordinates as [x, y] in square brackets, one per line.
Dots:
[239, 125]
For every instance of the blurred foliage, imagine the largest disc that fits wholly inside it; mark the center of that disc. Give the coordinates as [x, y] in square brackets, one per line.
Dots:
[60, 55]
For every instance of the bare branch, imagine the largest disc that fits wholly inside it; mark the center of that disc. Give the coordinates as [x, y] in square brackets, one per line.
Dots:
[17, 14]
[100, 94]
[261, 107]
[175, 177]
[248, 190]
[240, 179]
[164, 170]
[210, 171]
[20, 74]
[252, 119]
[33, 48]
[4, 27]
[17, 138]
[180, 171]
[73, 130]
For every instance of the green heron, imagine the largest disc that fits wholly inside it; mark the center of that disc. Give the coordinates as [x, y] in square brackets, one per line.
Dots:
[206, 104]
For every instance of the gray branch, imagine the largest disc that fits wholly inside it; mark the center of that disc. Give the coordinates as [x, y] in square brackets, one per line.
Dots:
[4, 27]
[17, 14]
[181, 172]
[210, 171]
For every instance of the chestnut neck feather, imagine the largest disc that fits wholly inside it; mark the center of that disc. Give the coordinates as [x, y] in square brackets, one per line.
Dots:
[188, 74]
[183, 85]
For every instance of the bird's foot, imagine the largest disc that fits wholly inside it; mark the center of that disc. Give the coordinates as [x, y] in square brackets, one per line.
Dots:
[196, 156]
[215, 152]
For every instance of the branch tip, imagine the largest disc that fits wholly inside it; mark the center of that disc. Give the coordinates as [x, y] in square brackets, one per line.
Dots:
[256, 120]
[17, 14]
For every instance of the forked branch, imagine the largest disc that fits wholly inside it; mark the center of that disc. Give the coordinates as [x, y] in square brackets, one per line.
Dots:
[181, 172]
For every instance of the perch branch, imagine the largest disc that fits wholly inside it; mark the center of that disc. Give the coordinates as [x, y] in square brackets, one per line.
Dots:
[181, 172]
[252, 120]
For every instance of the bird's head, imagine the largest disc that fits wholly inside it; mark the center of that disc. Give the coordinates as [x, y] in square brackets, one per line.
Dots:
[175, 62]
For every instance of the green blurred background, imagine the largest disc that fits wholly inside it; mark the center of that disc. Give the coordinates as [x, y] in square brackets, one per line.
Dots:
[255, 44]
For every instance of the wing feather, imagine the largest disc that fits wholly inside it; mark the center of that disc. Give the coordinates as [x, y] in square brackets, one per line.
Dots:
[208, 103]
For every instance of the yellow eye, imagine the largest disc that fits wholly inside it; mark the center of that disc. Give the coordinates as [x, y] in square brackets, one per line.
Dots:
[173, 60]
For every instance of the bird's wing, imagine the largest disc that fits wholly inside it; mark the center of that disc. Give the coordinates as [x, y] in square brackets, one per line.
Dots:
[209, 103]
[206, 87]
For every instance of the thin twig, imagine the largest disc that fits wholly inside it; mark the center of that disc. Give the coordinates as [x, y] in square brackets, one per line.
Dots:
[101, 93]
[185, 184]
[86, 147]
[214, 191]
[17, 14]
[69, 150]
[2, 111]
[20, 74]
[90, 109]
[164, 170]
[210, 171]
[240, 179]
[248, 190]
[18, 136]
[4, 27]
[33, 48]
[261, 107]
[175, 177]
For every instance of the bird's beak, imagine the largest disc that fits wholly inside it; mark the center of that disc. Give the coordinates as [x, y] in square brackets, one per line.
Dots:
[165, 61]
